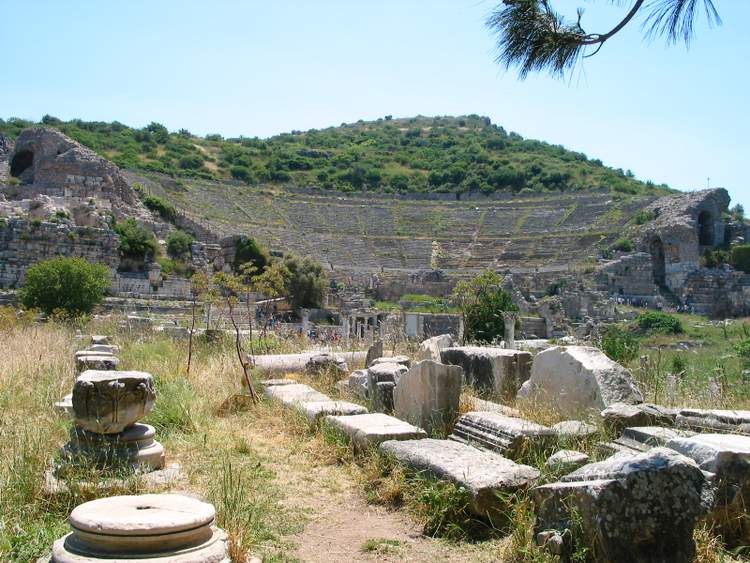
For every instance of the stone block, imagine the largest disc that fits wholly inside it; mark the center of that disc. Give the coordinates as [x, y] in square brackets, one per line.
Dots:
[373, 352]
[101, 362]
[431, 348]
[574, 429]
[566, 460]
[717, 420]
[619, 416]
[641, 507]
[498, 370]
[294, 393]
[107, 402]
[578, 379]
[366, 430]
[381, 396]
[314, 410]
[428, 395]
[135, 446]
[482, 474]
[325, 362]
[99, 339]
[506, 435]
[643, 438]
[403, 360]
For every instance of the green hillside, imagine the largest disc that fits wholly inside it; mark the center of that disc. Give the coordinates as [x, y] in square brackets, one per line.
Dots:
[421, 154]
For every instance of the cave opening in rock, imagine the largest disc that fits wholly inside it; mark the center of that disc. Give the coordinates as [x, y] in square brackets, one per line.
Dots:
[658, 261]
[705, 229]
[21, 161]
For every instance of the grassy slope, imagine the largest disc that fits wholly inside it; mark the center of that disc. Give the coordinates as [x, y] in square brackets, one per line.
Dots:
[422, 154]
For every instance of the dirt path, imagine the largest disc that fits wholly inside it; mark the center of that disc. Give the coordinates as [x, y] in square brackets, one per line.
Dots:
[341, 526]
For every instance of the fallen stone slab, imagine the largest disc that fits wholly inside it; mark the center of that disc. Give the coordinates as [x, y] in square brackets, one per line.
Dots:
[381, 396]
[641, 507]
[642, 438]
[278, 381]
[366, 430]
[494, 369]
[428, 395]
[385, 371]
[727, 457]
[357, 383]
[578, 379]
[431, 348]
[314, 410]
[489, 406]
[99, 339]
[325, 363]
[619, 416]
[403, 360]
[96, 362]
[567, 460]
[291, 363]
[373, 352]
[105, 348]
[506, 435]
[294, 393]
[574, 429]
[482, 474]
[702, 420]
[89, 352]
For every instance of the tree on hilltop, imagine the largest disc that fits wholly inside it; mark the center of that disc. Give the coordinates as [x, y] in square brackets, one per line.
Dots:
[534, 38]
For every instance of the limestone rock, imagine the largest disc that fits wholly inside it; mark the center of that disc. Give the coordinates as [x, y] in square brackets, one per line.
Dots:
[640, 507]
[107, 402]
[701, 420]
[431, 348]
[569, 429]
[314, 410]
[294, 393]
[642, 438]
[95, 361]
[373, 352]
[482, 474]
[428, 395]
[567, 460]
[326, 362]
[495, 369]
[496, 432]
[402, 360]
[618, 416]
[365, 430]
[577, 379]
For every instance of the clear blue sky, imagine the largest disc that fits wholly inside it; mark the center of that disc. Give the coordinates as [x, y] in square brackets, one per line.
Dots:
[264, 67]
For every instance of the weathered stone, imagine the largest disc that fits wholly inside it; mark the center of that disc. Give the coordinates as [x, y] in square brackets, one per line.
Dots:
[294, 393]
[107, 402]
[488, 406]
[64, 405]
[701, 420]
[151, 527]
[288, 363]
[482, 474]
[577, 379]
[278, 381]
[93, 361]
[358, 383]
[373, 352]
[89, 352]
[571, 429]
[494, 369]
[325, 362]
[567, 460]
[431, 348]
[728, 458]
[99, 339]
[496, 432]
[402, 360]
[314, 410]
[428, 395]
[627, 508]
[381, 396]
[367, 430]
[135, 446]
[642, 438]
[104, 348]
[618, 416]
[385, 371]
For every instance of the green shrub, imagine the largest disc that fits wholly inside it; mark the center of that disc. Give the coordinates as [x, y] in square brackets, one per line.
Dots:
[658, 322]
[483, 302]
[739, 257]
[623, 245]
[714, 258]
[620, 344]
[743, 351]
[72, 285]
[250, 250]
[305, 282]
[178, 244]
[643, 217]
[136, 241]
[165, 209]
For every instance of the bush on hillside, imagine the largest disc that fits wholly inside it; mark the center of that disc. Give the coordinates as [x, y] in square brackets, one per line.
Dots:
[620, 344]
[136, 241]
[739, 257]
[249, 250]
[178, 245]
[658, 322]
[483, 302]
[165, 209]
[72, 285]
[623, 245]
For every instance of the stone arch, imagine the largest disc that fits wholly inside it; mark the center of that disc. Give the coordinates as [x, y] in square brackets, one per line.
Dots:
[705, 228]
[658, 262]
[21, 162]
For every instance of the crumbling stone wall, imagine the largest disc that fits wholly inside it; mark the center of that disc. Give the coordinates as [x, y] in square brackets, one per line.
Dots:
[24, 242]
